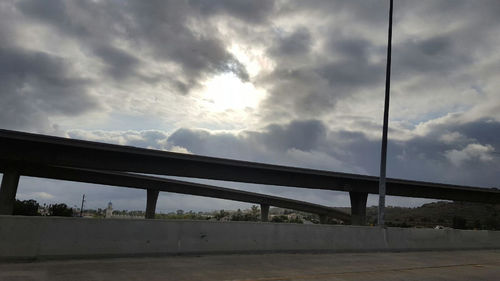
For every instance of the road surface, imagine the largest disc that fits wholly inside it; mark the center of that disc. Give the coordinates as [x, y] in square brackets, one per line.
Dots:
[452, 265]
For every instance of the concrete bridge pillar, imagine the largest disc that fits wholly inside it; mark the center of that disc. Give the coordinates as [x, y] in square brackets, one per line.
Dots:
[264, 212]
[151, 203]
[8, 191]
[358, 207]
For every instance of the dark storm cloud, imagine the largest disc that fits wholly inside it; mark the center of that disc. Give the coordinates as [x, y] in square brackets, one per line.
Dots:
[148, 139]
[354, 149]
[446, 11]
[460, 34]
[191, 139]
[436, 55]
[297, 43]
[205, 143]
[251, 145]
[120, 64]
[161, 26]
[303, 143]
[351, 48]
[485, 130]
[348, 75]
[57, 14]
[367, 12]
[452, 151]
[254, 11]
[299, 91]
[353, 68]
[308, 90]
[302, 135]
[36, 84]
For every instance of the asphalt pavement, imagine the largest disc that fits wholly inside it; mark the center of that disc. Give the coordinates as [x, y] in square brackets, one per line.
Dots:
[450, 265]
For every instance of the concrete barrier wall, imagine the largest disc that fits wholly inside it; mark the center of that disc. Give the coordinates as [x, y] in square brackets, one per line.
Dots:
[50, 237]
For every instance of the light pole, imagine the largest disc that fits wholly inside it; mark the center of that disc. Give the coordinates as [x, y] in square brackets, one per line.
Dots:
[383, 154]
[81, 209]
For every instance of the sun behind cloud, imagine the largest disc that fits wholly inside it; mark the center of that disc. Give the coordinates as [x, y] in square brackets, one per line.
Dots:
[227, 92]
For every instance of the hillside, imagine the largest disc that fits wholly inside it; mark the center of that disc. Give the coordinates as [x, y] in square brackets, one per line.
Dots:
[449, 214]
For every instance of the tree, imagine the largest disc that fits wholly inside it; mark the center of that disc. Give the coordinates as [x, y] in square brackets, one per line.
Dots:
[491, 223]
[60, 210]
[26, 208]
[238, 216]
[280, 218]
[255, 211]
[221, 215]
[459, 222]
[295, 220]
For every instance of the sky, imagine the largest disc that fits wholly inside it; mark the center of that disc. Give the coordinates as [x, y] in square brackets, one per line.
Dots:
[297, 83]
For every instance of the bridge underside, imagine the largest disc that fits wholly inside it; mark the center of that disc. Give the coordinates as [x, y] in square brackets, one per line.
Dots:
[20, 151]
[154, 185]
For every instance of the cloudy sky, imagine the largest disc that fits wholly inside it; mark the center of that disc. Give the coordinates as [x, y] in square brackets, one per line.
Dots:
[286, 82]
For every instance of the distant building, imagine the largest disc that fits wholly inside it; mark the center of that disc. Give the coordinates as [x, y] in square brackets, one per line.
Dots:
[43, 210]
[109, 211]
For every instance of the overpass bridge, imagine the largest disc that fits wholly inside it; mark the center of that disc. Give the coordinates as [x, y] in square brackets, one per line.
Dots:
[153, 185]
[20, 152]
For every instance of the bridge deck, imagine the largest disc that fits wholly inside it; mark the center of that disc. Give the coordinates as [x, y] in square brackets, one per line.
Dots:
[177, 186]
[20, 148]
[455, 265]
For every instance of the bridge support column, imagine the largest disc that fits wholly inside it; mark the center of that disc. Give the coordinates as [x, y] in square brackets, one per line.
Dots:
[8, 191]
[264, 212]
[358, 207]
[151, 203]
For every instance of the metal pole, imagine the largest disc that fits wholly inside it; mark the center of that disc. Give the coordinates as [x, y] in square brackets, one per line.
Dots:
[81, 209]
[383, 156]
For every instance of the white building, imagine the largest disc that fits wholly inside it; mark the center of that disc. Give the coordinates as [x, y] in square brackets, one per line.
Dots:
[109, 211]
